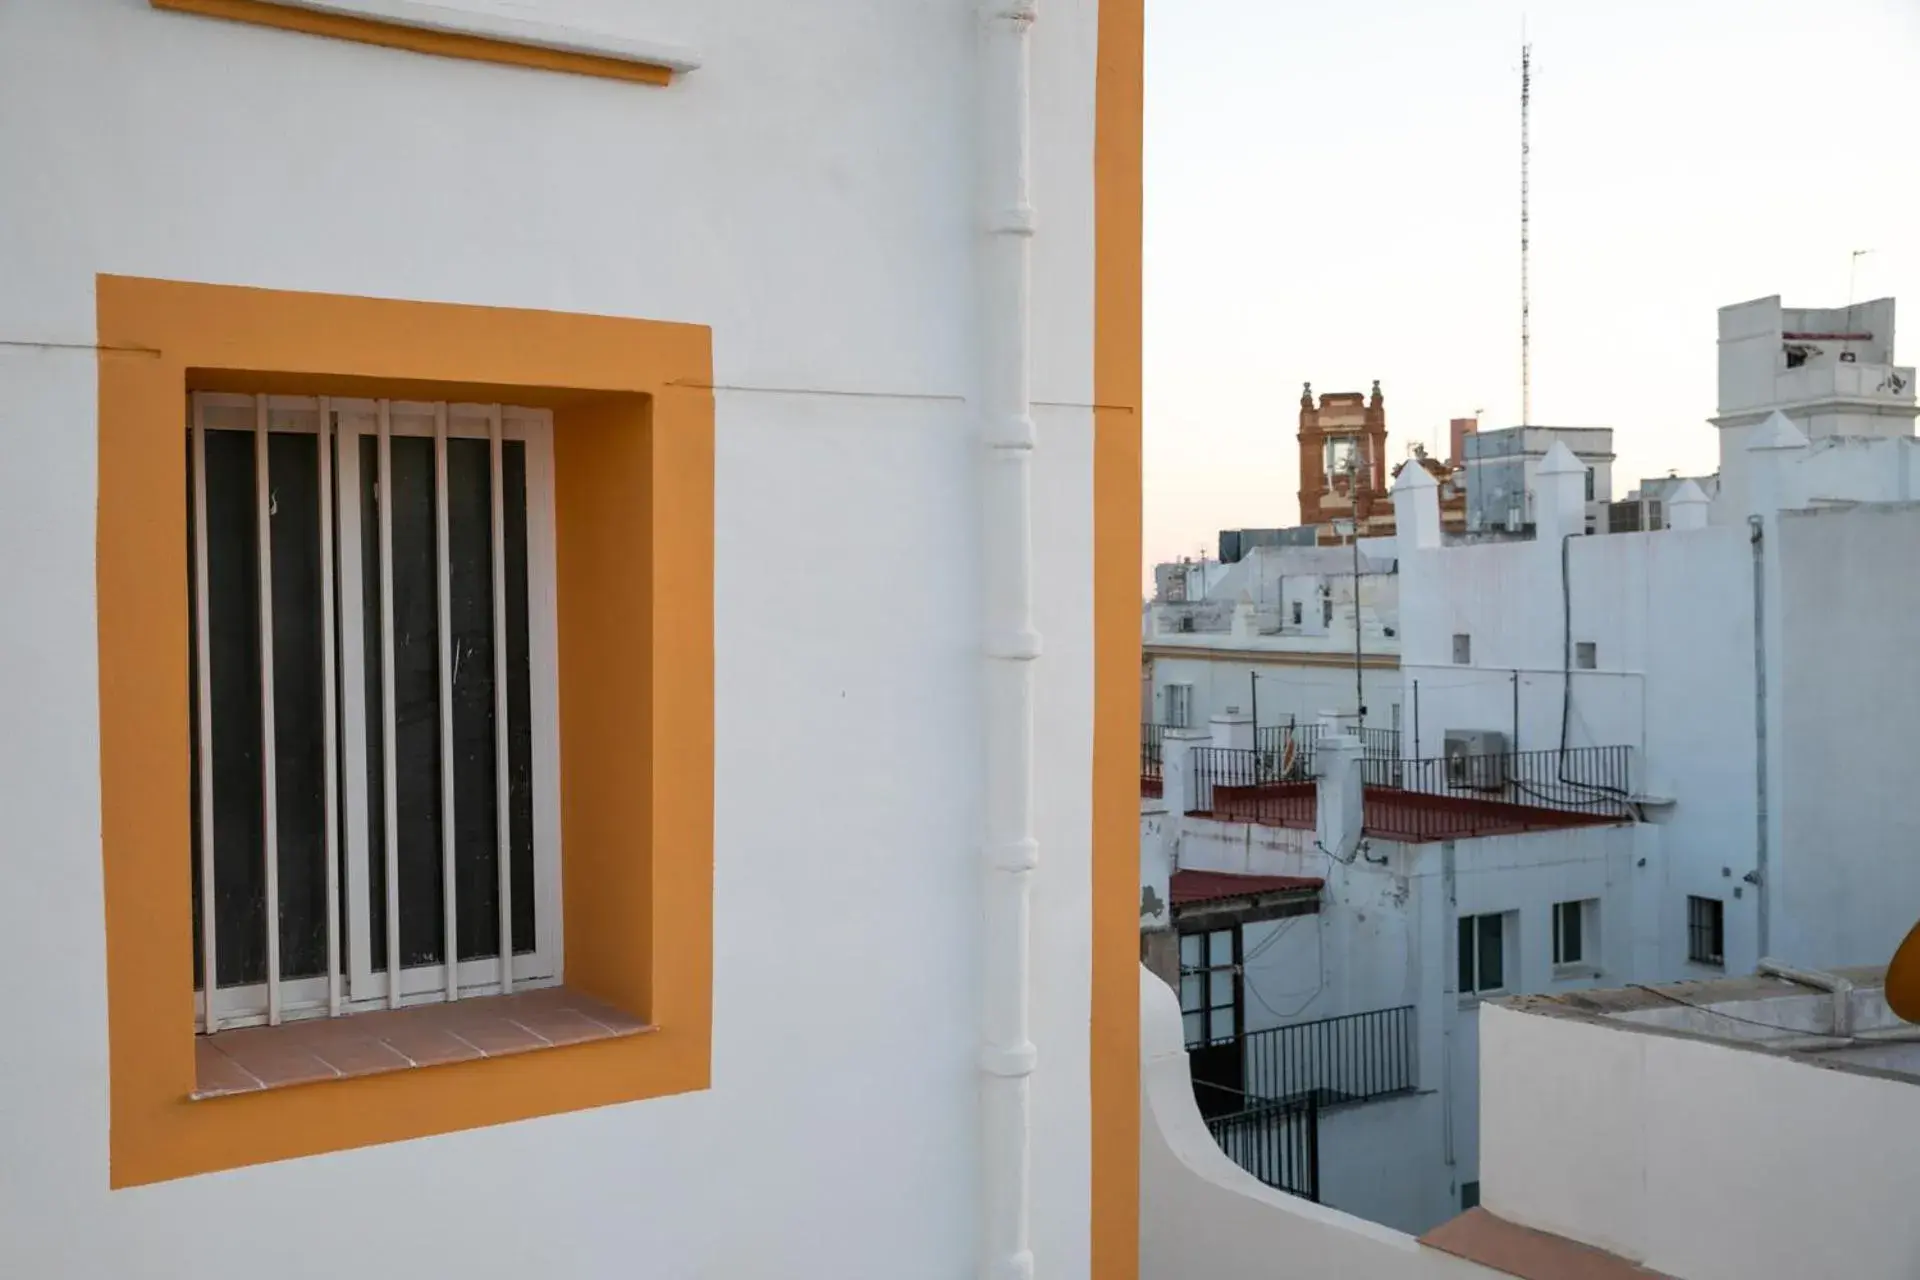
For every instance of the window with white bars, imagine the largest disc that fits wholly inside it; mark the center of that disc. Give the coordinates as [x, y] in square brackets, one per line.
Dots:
[1179, 706]
[374, 730]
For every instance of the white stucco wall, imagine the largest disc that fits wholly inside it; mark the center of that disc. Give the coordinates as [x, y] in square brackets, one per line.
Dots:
[1848, 886]
[809, 194]
[1378, 1162]
[1202, 1215]
[1697, 1159]
[1286, 688]
[1671, 615]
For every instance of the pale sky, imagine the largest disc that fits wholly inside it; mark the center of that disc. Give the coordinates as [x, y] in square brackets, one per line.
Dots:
[1332, 195]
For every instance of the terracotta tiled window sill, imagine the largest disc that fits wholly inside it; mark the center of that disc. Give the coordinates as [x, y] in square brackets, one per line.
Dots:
[322, 1049]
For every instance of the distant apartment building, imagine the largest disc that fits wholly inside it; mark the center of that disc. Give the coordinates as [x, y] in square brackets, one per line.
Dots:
[1829, 371]
[1284, 633]
[1754, 655]
[1499, 470]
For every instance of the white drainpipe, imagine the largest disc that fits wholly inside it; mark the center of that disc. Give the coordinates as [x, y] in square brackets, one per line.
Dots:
[1011, 642]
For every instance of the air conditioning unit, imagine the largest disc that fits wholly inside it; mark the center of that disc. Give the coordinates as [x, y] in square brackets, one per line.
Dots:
[1476, 759]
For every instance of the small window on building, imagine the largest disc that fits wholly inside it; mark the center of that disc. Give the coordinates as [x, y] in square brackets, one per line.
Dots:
[1572, 925]
[1586, 655]
[1483, 953]
[1462, 649]
[1589, 484]
[1655, 518]
[1706, 931]
[1326, 609]
[1296, 613]
[1179, 706]
[1469, 1195]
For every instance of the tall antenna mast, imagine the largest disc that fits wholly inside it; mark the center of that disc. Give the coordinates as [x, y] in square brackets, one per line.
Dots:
[1526, 298]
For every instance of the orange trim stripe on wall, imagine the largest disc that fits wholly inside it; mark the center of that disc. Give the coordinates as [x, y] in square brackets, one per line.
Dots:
[445, 44]
[1115, 1083]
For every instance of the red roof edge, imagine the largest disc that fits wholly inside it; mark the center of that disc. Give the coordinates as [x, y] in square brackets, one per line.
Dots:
[1188, 887]
[1478, 1236]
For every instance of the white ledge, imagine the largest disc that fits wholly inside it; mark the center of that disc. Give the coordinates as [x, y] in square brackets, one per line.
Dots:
[491, 26]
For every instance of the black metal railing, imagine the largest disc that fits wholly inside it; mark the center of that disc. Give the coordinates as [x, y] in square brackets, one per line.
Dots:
[1415, 800]
[1595, 780]
[1150, 752]
[1276, 1142]
[1346, 1059]
[1375, 744]
[1274, 788]
[1281, 740]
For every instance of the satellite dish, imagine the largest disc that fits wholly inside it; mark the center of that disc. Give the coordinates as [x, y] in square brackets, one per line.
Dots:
[1903, 978]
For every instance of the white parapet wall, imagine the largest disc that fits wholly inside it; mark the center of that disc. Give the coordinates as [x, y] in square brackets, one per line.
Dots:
[1202, 1215]
[1697, 1159]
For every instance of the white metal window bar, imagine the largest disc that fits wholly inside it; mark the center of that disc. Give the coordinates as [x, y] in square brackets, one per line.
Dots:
[349, 982]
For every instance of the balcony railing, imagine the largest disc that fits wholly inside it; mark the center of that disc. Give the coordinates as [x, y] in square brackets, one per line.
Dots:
[1417, 800]
[1276, 1142]
[1150, 736]
[1346, 1059]
[1271, 787]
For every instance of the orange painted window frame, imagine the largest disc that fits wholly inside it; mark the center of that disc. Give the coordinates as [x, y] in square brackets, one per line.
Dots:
[633, 480]
[445, 44]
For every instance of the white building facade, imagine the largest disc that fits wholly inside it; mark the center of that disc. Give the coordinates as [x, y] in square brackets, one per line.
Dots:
[1745, 662]
[561, 357]
[1366, 998]
[1273, 636]
[1830, 370]
[1501, 469]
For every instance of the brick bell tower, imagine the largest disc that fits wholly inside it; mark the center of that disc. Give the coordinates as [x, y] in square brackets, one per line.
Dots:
[1343, 461]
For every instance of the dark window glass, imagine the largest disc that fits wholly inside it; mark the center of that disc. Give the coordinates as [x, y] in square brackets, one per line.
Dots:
[375, 676]
[293, 463]
[233, 647]
[1706, 920]
[1465, 943]
[1492, 958]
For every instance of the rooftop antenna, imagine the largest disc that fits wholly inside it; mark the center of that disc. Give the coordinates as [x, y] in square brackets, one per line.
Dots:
[1526, 299]
[1853, 270]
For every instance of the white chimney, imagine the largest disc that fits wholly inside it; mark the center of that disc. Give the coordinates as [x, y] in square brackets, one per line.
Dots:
[1687, 508]
[1339, 795]
[1416, 508]
[1773, 449]
[1233, 729]
[1178, 791]
[1560, 495]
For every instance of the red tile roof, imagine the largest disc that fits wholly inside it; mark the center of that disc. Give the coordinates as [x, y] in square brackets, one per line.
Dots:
[1408, 817]
[1187, 887]
[1478, 1236]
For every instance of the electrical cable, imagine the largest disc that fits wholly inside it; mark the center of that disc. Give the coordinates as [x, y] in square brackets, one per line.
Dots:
[1731, 1017]
[1320, 980]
